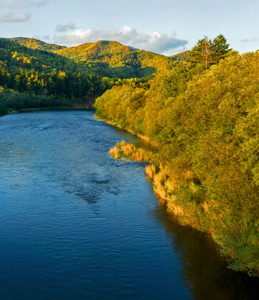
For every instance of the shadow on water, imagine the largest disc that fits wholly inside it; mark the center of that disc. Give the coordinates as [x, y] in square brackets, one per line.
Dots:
[204, 271]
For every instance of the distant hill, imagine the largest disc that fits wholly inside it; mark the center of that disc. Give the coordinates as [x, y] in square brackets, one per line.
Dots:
[36, 44]
[28, 58]
[31, 78]
[116, 55]
[181, 56]
[109, 58]
[101, 50]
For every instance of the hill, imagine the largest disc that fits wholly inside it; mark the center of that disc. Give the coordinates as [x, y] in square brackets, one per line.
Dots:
[181, 56]
[32, 54]
[109, 58]
[116, 55]
[32, 78]
[36, 44]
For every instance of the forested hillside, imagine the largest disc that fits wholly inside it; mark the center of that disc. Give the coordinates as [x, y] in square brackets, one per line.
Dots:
[36, 44]
[204, 117]
[34, 74]
[108, 58]
[35, 79]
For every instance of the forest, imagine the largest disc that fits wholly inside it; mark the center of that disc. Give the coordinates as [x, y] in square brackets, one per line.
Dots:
[34, 74]
[203, 118]
[32, 78]
[108, 58]
[199, 109]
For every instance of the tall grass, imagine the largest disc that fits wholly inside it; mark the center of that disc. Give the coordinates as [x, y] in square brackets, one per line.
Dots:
[129, 151]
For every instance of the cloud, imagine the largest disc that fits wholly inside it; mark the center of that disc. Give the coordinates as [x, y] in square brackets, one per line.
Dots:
[18, 4]
[46, 38]
[64, 28]
[250, 40]
[13, 18]
[151, 41]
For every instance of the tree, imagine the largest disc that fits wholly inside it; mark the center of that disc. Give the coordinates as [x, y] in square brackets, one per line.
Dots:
[220, 48]
[207, 52]
[202, 53]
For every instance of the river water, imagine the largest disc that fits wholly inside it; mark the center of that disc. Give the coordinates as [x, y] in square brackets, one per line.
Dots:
[77, 224]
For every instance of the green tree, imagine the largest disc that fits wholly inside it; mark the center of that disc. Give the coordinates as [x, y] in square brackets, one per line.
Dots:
[207, 52]
[202, 53]
[220, 48]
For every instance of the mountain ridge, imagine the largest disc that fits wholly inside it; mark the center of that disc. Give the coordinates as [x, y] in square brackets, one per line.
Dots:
[35, 44]
[114, 58]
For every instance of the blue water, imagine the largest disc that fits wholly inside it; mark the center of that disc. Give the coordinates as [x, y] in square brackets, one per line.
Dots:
[77, 224]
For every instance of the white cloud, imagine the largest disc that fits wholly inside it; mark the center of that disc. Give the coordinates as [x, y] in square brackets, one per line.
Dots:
[12, 18]
[18, 4]
[151, 41]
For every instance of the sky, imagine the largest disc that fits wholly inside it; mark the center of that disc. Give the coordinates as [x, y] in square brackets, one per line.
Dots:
[162, 26]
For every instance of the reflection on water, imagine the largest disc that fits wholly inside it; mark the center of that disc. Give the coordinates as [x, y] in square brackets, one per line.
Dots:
[204, 270]
[77, 224]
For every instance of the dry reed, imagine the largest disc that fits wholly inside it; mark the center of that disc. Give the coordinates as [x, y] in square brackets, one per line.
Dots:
[129, 151]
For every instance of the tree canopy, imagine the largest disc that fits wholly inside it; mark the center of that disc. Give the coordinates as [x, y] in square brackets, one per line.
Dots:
[205, 123]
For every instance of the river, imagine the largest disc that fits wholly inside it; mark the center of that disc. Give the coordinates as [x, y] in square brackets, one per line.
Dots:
[77, 224]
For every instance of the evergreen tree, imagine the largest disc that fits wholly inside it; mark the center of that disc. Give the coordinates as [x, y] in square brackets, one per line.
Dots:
[207, 52]
[220, 48]
[202, 53]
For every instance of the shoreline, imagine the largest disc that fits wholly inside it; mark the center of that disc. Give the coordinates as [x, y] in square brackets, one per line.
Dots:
[146, 139]
[46, 109]
[204, 217]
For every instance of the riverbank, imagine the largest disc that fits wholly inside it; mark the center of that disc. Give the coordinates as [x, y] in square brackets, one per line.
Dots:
[206, 125]
[10, 112]
[163, 183]
[144, 138]
[205, 216]
[12, 101]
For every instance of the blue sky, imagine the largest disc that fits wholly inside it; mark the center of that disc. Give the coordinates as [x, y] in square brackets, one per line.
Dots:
[161, 26]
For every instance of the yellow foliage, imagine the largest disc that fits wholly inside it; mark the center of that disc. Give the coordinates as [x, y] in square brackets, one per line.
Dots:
[207, 166]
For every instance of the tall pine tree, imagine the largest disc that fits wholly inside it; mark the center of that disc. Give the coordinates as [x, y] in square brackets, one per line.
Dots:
[207, 52]
[220, 48]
